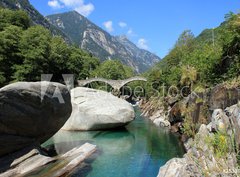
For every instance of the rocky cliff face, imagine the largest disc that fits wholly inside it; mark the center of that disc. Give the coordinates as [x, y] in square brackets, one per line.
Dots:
[197, 106]
[200, 161]
[210, 153]
[92, 38]
[213, 150]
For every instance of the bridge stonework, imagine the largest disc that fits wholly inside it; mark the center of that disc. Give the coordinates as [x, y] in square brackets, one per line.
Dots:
[115, 84]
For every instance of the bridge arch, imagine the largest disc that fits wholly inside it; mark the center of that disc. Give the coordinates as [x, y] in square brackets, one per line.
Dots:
[83, 83]
[127, 81]
[116, 84]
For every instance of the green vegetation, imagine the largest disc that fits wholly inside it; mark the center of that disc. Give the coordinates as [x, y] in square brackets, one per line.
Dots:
[113, 69]
[211, 58]
[221, 143]
[17, 18]
[28, 51]
[199, 63]
[189, 127]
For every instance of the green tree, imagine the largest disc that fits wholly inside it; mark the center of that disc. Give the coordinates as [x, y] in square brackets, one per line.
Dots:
[183, 46]
[112, 69]
[189, 75]
[27, 52]
[59, 58]
[17, 18]
[90, 63]
[9, 51]
[35, 49]
[204, 59]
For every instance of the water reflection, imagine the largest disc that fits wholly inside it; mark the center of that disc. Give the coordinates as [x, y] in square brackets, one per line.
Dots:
[113, 142]
[138, 150]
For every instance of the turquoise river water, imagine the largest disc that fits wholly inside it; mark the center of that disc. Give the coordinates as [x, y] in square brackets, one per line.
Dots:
[138, 150]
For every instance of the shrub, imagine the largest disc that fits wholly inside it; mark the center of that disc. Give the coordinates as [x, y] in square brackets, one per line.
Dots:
[220, 142]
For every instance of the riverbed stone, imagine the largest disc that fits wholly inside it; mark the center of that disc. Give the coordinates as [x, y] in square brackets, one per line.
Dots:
[157, 115]
[178, 167]
[161, 122]
[210, 127]
[97, 110]
[233, 113]
[219, 120]
[172, 168]
[31, 112]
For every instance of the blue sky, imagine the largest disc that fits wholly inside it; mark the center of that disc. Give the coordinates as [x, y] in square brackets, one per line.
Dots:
[151, 24]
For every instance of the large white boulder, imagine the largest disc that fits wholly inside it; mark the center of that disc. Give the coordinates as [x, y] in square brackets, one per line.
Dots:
[97, 110]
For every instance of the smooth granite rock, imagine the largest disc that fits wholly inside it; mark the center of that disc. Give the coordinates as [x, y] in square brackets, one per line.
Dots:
[31, 112]
[97, 110]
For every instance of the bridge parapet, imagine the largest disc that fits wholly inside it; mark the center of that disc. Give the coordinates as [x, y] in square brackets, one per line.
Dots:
[116, 84]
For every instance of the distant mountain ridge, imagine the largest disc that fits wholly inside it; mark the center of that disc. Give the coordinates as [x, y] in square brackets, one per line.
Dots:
[95, 40]
[77, 29]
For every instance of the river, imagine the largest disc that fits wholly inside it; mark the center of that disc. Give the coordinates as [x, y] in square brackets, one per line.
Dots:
[138, 150]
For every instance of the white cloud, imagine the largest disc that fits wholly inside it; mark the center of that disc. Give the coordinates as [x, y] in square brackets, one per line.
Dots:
[109, 26]
[54, 4]
[85, 10]
[72, 3]
[78, 5]
[122, 24]
[142, 43]
[130, 32]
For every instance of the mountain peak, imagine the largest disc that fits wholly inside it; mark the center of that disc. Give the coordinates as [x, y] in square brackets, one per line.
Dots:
[122, 37]
[97, 41]
[74, 12]
[77, 29]
[71, 13]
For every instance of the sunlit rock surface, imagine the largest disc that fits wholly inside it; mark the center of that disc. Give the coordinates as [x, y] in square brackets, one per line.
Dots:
[97, 110]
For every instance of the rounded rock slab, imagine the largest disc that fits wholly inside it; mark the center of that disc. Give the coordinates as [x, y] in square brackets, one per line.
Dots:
[97, 110]
[31, 112]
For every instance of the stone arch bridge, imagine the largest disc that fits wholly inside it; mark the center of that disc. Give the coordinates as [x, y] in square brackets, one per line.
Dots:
[115, 84]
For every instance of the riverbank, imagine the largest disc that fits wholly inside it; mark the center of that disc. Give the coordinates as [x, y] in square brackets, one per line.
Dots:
[207, 122]
[209, 127]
